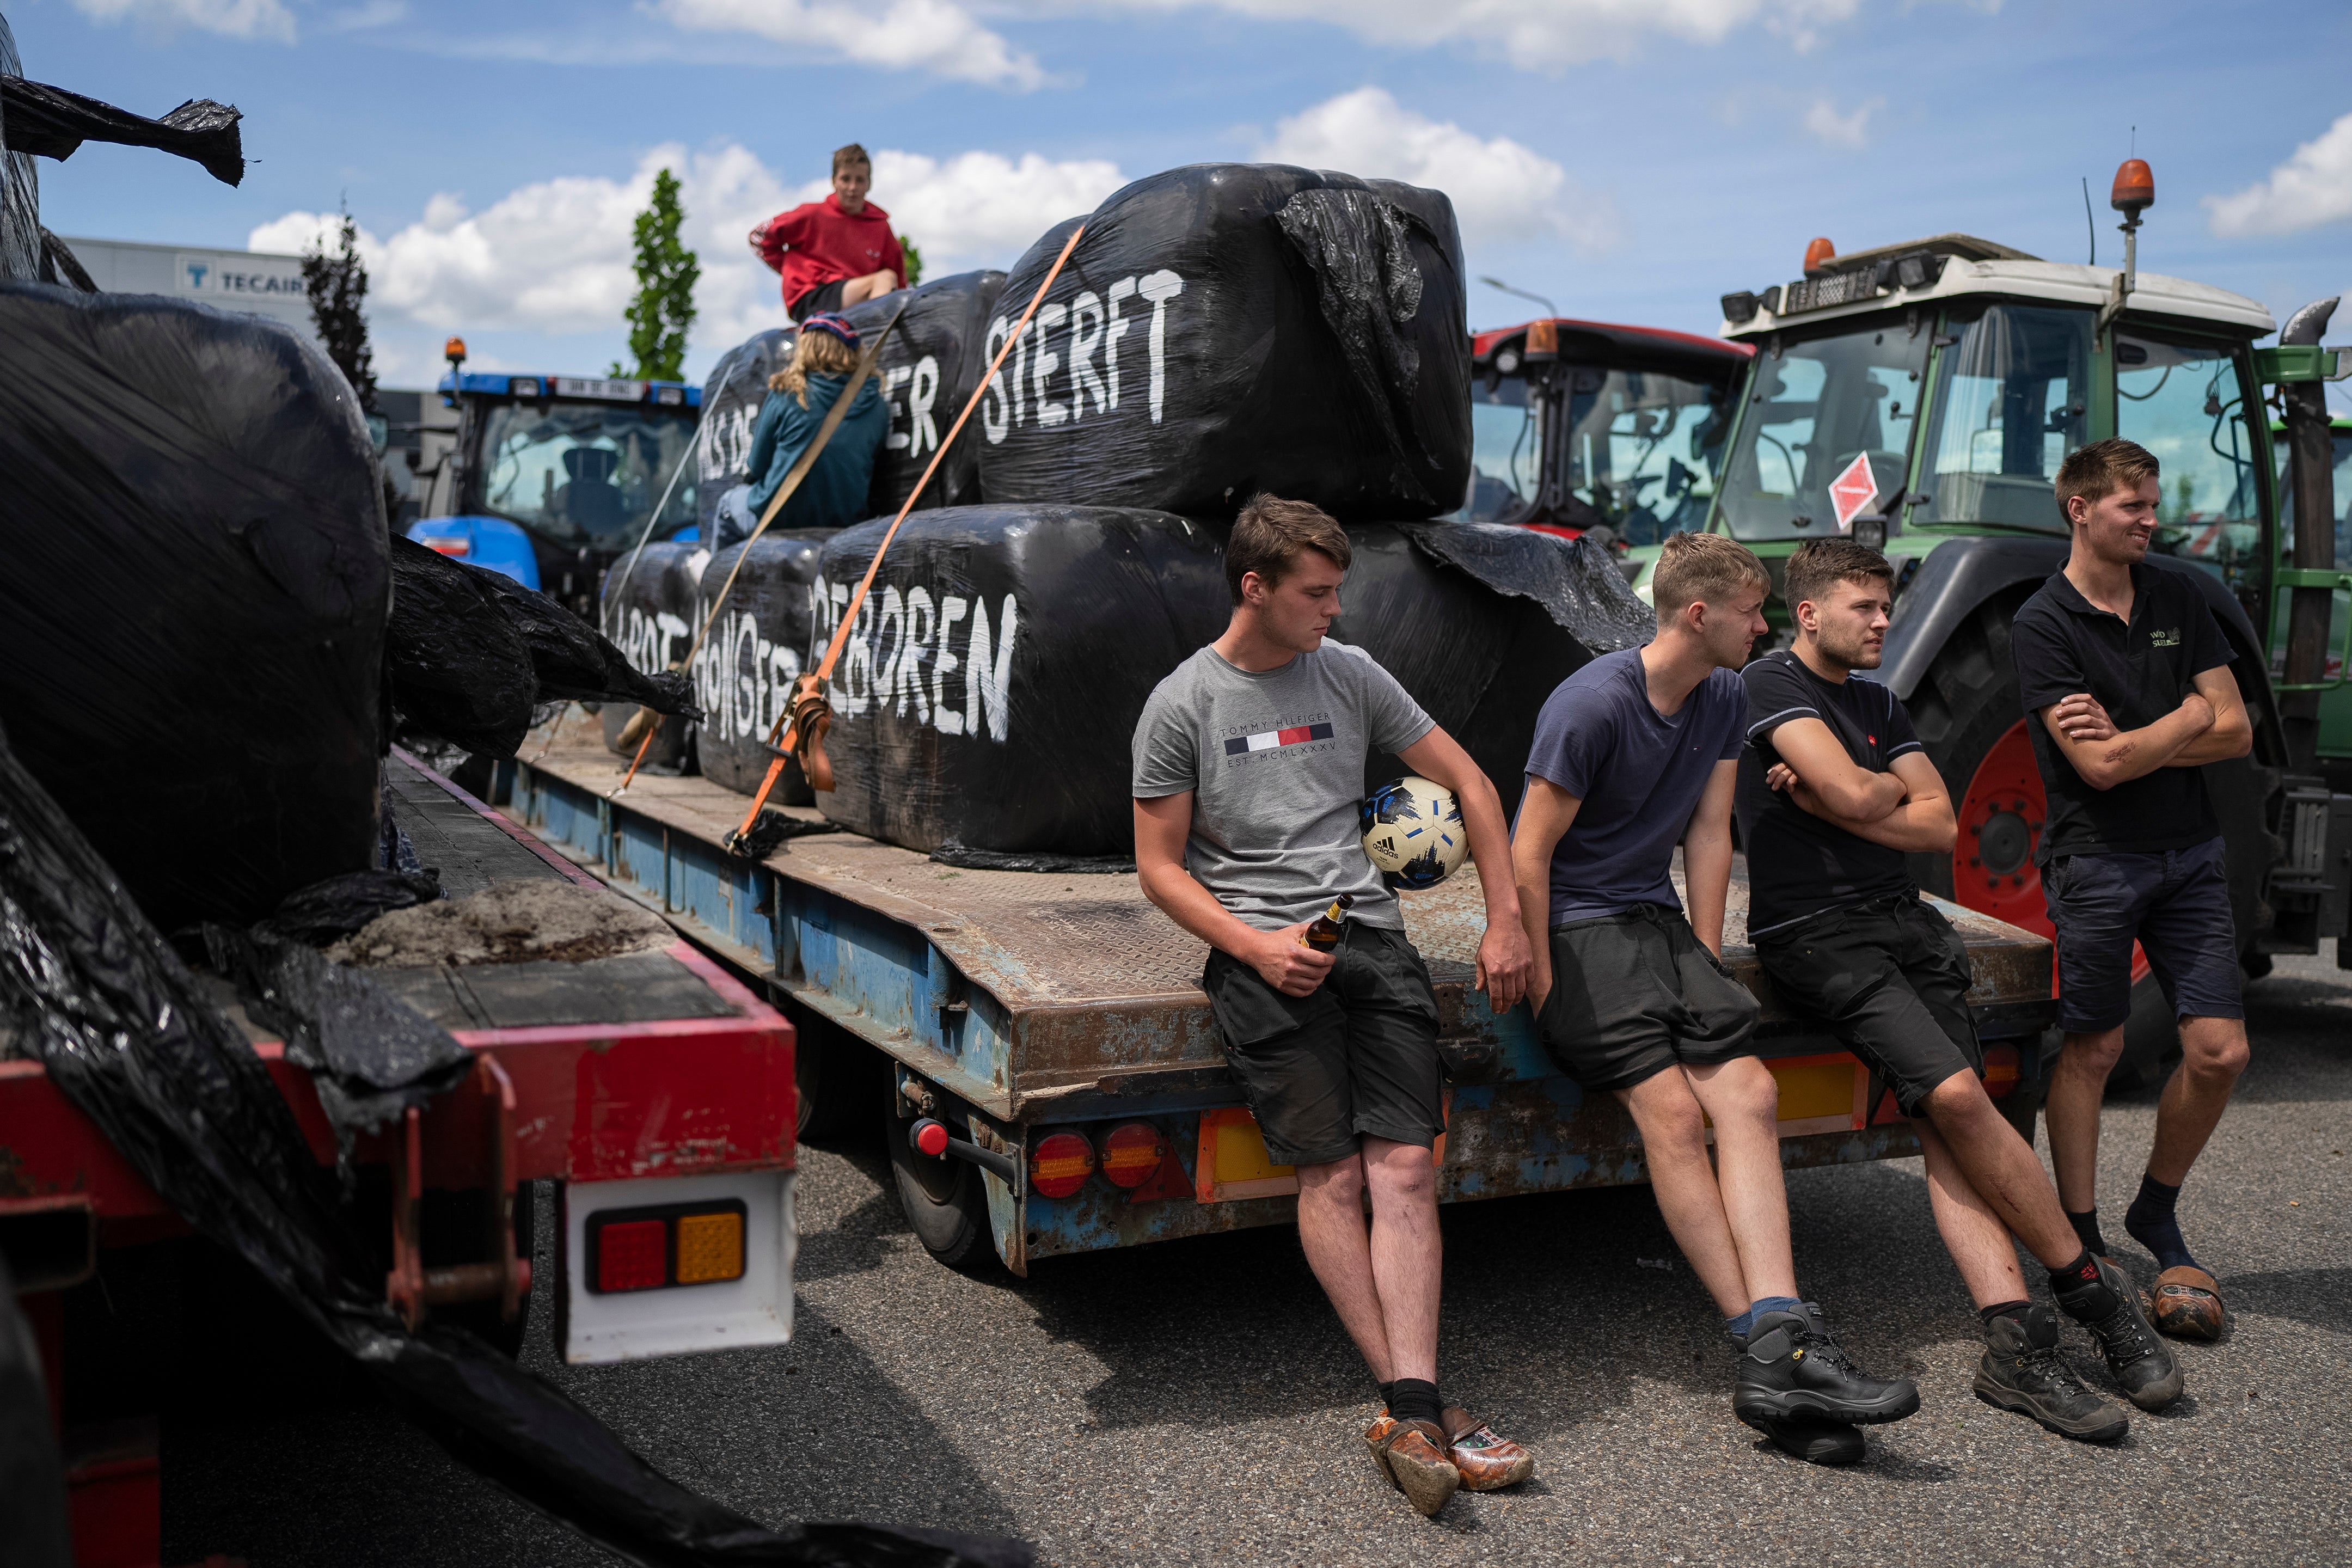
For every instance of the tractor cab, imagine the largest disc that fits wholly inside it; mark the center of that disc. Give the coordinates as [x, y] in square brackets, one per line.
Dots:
[1581, 425]
[554, 478]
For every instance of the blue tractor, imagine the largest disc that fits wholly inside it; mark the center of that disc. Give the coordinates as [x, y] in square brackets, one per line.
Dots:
[554, 477]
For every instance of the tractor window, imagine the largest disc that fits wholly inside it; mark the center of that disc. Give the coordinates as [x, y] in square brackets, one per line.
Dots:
[1506, 452]
[585, 473]
[1643, 449]
[1815, 406]
[2343, 500]
[2182, 400]
[2011, 401]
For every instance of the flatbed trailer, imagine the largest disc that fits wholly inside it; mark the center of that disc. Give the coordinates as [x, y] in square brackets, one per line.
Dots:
[1014, 1007]
[643, 1086]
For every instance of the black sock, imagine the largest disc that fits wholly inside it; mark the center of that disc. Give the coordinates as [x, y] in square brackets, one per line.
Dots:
[1411, 1399]
[2077, 1276]
[2004, 1309]
[2086, 1225]
[2150, 1223]
[1384, 1388]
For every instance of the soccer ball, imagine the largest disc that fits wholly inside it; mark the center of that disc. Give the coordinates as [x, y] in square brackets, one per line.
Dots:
[1412, 832]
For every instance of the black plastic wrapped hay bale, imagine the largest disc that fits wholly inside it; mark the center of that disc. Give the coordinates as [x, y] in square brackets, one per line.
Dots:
[1231, 328]
[928, 369]
[1479, 623]
[649, 615]
[992, 681]
[757, 648]
[731, 396]
[192, 619]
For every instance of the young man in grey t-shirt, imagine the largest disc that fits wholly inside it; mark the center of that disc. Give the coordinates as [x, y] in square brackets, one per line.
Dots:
[1249, 770]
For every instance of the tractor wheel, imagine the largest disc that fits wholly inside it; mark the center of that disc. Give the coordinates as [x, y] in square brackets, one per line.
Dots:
[943, 1200]
[1973, 726]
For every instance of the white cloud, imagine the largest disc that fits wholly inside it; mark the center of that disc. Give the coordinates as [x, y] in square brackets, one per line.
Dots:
[1824, 124]
[554, 258]
[934, 35]
[1536, 35]
[1502, 191]
[2311, 188]
[232, 18]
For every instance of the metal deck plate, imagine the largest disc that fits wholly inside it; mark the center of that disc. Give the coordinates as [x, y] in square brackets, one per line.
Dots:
[468, 849]
[1046, 940]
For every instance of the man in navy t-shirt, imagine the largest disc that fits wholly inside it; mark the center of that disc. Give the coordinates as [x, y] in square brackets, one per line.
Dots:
[1632, 753]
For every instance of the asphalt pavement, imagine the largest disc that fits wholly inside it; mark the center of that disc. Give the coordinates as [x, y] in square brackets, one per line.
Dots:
[1195, 1401]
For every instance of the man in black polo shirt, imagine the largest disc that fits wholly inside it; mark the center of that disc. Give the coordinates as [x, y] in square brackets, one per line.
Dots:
[1833, 791]
[2126, 680]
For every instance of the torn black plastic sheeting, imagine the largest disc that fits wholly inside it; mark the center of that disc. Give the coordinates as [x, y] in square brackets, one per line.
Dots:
[50, 122]
[128, 1036]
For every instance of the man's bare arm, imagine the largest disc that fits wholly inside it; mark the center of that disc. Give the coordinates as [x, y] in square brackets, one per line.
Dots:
[1923, 822]
[1707, 855]
[2233, 734]
[2103, 756]
[1546, 814]
[1505, 957]
[1851, 792]
[1161, 826]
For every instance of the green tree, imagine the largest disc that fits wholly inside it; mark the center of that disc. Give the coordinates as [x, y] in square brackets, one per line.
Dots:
[666, 273]
[337, 284]
[914, 260]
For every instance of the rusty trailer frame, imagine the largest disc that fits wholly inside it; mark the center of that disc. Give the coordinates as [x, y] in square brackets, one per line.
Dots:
[1032, 1002]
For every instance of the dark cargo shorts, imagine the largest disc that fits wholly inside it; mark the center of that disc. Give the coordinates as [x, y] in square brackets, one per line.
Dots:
[1356, 1056]
[1890, 977]
[1637, 993]
[2175, 904]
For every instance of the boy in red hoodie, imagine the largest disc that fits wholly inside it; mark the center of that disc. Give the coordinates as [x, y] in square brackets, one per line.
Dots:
[837, 252]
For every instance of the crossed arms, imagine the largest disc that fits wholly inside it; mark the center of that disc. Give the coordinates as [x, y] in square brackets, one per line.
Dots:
[2210, 726]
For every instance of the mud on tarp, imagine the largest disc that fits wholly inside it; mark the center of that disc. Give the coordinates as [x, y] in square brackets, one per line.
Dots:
[990, 687]
[193, 609]
[928, 369]
[1480, 648]
[1206, 342]
[648, 613]
[731, 396]
[129, 1037]
[745, 674]
[471, 653]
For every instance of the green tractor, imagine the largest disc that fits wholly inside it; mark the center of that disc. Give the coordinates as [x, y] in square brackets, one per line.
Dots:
[1920, 397]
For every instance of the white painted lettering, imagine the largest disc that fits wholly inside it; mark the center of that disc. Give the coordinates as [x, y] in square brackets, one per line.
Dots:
[1160, 287]
[1048, 411]
[996, 406]
[896, 377]
[920, 396]
[946, 719]
[1114, 329]
[988, 682]
[1084, 340]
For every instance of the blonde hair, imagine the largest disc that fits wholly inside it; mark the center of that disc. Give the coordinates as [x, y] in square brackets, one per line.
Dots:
[1703, 568]
[815, 354]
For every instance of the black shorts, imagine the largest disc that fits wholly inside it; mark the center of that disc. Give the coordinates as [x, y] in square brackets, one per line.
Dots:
[1356, 1056]
[1890, 977]
[823, 297]
[2175, 904]
[1634, 993]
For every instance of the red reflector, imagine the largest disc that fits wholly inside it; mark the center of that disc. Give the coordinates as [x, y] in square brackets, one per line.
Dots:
[1060, 1164]
[633, 1255]
[1131, 1152]
[2001, 1070]
[449, 544]
[933, 1139]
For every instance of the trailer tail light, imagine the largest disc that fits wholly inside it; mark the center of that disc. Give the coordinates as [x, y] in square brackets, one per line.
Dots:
[1131, 1152]
[2002, 1066]
[679, 1244]
[1060, 1164]
[456, 545]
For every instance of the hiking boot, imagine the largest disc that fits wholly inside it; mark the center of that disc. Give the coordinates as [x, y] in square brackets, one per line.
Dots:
[1816, 1442]
[1412, 1455]
[2023, 1371]
[1793, 1367]
[2143, 1367]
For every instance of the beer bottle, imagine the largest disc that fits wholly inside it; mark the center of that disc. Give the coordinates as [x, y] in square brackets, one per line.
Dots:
[1322, 933]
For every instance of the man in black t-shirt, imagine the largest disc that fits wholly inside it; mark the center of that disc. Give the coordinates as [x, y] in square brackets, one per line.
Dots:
[2125, 675]
[1833, 791]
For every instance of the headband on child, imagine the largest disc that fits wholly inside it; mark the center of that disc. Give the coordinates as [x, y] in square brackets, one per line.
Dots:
[827, 321]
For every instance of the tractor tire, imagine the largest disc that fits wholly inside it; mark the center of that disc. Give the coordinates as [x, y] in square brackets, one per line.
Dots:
[1971, 723]
[943, 1200]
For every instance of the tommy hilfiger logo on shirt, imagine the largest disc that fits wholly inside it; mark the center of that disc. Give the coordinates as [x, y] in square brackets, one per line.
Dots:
[1268, 740]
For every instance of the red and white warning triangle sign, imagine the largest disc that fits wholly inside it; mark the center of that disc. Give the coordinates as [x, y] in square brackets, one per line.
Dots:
[1853, 491]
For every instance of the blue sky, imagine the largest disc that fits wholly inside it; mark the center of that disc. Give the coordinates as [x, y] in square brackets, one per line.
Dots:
[1631, 160]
